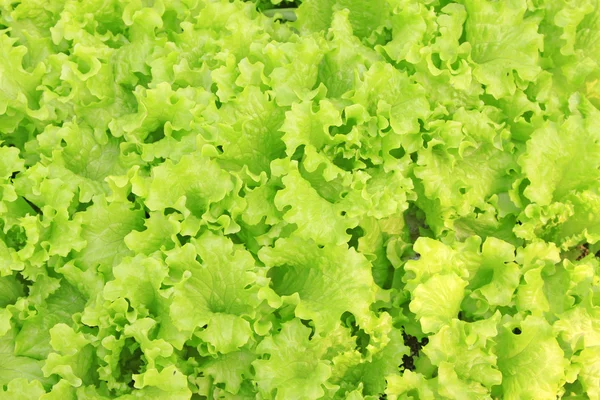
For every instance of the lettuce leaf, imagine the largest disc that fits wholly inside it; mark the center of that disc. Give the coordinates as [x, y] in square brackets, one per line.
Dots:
[299, 199]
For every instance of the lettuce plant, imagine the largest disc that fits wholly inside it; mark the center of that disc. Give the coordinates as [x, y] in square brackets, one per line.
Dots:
[318, 199]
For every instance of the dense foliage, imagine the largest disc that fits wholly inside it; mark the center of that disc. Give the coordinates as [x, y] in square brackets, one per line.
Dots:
[347, 199]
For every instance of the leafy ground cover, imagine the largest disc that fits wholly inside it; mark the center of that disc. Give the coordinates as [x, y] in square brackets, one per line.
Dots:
[328, 199]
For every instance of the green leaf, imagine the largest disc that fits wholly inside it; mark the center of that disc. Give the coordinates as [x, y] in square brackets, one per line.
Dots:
[160, 234]
[212, 199]
[10, 290]
[371, 374]
[504, 42]
[138, 280]
[589, 362]
[580, 326]
[498, 276]
[531, 360]
[294, 368]
[468, 350]
[17, 367]
[437, 301]
[73, 356]
[303, 126]
[214, 290]
[333, 275]
[436, 258]
[104, 227]
[316, 15]
[346, 55]
[168, 384]
[293, 81]
[392, 93]
[21, 389]
[531, 296]
[229, 369]
[572, 146]
[410, 384]
[314, 217]
[83, 155]
[249, 134]
[194, 183]
[226, 333]
[33, 340]
[19, 86]
[451, 387]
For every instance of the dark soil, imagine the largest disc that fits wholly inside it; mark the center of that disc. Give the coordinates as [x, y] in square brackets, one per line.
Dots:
[415, 346]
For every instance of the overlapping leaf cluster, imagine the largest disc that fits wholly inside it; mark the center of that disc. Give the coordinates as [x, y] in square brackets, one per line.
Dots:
[399, 197]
